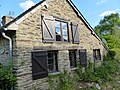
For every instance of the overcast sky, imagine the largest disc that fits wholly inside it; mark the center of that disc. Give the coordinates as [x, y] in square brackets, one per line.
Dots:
[93, 10]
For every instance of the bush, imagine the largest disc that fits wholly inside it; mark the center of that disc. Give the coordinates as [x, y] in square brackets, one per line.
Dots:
[66, 81]
[111, 54]
[63, 81]
[7, 79]
[99, 74]
[88, 75]
[117, 56]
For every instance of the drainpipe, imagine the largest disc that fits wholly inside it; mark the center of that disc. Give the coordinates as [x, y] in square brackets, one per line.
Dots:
[10, 45]
[10, 49]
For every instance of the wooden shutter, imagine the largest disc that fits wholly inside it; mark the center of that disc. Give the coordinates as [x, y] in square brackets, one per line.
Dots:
[94, 55]
[83, 57]
[48, 27]
[39, 64]
[75, 33]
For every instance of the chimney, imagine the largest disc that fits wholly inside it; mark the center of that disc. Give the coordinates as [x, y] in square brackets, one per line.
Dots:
[6, 19]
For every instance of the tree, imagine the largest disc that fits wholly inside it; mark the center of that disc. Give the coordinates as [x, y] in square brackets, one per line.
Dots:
[108, 25]
[109, 29]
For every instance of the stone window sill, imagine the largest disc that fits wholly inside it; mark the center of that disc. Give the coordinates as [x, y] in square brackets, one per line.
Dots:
[72, 69]
[54, 73]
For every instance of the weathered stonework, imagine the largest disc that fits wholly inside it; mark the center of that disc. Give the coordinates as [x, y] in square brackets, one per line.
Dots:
[29, 36]
[4, 51]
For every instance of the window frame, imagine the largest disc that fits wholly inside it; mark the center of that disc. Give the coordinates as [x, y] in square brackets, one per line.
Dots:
[55, 61]
[73, 57]
[96, 54]
[61, 29]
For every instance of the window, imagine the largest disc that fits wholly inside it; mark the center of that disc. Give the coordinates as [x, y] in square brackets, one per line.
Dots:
[52, 61]
[96, 54]
[43, 62]
[61, 31]
[72, 58]
[54, 30]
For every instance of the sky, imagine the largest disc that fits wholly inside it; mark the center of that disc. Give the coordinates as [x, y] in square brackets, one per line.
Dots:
[92, 10]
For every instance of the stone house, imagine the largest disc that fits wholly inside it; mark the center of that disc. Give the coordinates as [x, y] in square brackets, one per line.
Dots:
[46, 39]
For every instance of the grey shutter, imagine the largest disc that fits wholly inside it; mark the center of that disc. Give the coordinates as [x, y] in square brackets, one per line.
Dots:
[39, 64]
[75, 33]
[83, 57]
[48, 27]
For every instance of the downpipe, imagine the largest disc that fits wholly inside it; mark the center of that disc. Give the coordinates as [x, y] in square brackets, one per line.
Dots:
[10, 46]
[10, 50]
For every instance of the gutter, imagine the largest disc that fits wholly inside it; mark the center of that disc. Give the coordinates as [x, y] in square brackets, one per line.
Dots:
[10, 43]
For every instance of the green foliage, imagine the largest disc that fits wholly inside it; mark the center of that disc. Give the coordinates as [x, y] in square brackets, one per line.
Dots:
[63, 81]
[53, 82]
[111, 55]
[35, 86]
[112, 66]
[7, 79]
[92, 74]
[99, 74]
[111, 40]
[117, 51]
[107, 24]
[88, 75]
[109, 29]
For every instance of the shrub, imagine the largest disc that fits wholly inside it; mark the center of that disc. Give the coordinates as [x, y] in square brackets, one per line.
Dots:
[66, 81]
[53, 82]
[99, 74]
[63, 81]
[117, 56]
[111, 54]
[7, 79]
[88, 75]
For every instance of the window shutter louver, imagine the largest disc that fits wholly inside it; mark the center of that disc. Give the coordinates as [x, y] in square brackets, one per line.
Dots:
[75, 33]
[48, 26]
[83, 57]
[39, 64]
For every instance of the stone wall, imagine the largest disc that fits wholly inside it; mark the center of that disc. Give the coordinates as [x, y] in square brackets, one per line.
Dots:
[4, 51]
[29, 35]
